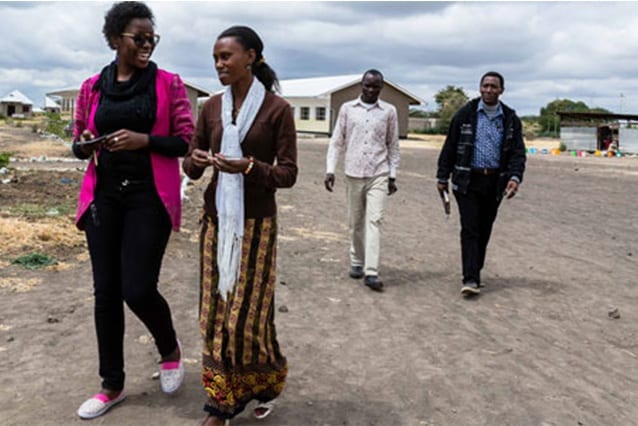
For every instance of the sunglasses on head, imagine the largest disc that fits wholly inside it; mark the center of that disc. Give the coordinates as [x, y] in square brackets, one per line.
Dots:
[140, 39]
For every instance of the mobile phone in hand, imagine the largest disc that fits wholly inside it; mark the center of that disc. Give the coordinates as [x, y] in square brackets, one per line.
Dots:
[92, 141]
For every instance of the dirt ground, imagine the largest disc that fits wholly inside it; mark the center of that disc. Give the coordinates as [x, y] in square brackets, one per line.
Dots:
[542, 345]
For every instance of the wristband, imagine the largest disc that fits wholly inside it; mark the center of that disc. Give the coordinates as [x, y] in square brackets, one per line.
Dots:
[251, 164]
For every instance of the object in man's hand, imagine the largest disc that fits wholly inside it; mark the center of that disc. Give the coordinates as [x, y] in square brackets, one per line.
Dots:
[445, 198]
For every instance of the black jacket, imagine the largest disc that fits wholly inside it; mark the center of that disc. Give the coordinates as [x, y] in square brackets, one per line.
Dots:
[458, 150]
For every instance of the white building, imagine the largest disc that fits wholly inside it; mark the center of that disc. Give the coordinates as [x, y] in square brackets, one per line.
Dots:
[50, 105]
[16, 104]
[316, 101]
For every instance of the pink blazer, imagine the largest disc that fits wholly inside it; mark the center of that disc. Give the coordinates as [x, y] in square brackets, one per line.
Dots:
[174, 118]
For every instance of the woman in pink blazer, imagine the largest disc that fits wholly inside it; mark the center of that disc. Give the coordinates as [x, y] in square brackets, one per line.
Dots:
[129, 199]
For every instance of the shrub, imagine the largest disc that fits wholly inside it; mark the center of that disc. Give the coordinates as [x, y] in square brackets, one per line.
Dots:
[430, 131]
[4, 158]
[55, 124]
[562, 147]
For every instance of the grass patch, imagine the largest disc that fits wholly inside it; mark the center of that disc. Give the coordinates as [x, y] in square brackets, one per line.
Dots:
[5, 158]
[35, 261]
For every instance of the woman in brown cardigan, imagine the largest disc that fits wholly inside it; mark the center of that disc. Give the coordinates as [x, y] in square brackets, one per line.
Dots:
[248, 135]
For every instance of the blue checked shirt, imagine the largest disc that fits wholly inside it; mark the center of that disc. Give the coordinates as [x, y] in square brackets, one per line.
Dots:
[489, 137]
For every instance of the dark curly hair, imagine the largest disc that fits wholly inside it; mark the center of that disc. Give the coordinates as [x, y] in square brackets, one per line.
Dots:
[119, 16]
[249, 39]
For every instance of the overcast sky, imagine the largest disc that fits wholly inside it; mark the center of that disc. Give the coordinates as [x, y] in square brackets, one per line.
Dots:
[581, 51]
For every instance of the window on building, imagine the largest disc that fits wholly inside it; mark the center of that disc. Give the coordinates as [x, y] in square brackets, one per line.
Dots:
[293, 112]
[304, 113]
[320, 113]
[26, 108]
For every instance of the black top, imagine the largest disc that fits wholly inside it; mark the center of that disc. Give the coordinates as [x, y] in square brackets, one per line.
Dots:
[129, 105]
[125, 105]
[458, 150]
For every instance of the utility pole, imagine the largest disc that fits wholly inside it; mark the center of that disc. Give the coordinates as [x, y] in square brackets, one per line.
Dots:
[622, 98]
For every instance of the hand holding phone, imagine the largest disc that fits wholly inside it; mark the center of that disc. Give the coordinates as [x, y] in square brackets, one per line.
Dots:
[93, 141]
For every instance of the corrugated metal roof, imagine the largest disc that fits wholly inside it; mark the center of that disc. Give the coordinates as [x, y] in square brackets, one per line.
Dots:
[50, 103]
[317, 86]
[17, 97]
[321, 86]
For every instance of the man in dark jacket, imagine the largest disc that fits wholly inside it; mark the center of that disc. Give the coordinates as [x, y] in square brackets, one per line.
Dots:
[485, 154]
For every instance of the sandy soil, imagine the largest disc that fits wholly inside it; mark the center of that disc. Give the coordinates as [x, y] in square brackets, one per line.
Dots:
[538, 347]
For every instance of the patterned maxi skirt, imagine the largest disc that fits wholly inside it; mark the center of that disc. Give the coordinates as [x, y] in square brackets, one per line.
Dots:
[241, 357]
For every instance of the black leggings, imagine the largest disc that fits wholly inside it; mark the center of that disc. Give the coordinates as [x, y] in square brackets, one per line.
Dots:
[127, 231]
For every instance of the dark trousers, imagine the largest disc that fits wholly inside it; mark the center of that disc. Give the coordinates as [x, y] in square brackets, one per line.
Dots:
[127, 231]
[477, 209]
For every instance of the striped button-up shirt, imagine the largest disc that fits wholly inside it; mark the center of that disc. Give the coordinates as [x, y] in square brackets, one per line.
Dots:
[370, 138]
[489, 137]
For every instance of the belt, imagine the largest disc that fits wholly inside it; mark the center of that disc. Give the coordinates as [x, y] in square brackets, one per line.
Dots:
[484, 171]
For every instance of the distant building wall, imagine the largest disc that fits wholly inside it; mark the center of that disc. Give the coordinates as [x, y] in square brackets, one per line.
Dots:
[389, 94]
[16, 109]
[422, 123]
[311, 108]
[579, 138]
[628, 140]
[192, 98]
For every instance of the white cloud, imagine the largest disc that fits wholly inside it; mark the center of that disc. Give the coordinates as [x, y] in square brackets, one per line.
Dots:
[546, 50]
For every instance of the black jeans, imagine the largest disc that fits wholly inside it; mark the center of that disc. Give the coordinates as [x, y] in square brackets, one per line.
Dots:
[477, 209]
[127, 230]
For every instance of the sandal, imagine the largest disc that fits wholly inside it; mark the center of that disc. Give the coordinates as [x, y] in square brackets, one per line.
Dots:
[263, 409]
[226, 422]
[172, 373]
[99, 404]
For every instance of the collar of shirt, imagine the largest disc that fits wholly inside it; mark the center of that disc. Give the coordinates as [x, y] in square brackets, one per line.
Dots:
[481, 107]
[359, 102]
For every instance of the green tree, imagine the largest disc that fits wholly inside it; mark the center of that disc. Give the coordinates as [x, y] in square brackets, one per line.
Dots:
[601, 110]
[549, 119]
[419, 113]
[449, 101]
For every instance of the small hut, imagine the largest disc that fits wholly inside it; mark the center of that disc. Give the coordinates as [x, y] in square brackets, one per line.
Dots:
[17, 105]
[50, 105]
[591, 131]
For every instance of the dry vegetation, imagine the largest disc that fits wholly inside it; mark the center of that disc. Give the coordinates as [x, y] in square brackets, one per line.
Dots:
[37, 203]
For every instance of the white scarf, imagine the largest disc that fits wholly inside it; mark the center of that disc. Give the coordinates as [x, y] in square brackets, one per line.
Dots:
[229, 196]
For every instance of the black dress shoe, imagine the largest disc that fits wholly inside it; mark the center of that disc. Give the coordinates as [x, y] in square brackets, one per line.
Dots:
[373, 282]
[356, 272]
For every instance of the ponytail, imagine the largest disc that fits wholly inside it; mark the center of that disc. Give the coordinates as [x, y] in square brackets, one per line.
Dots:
[266, 75]
[248, 38]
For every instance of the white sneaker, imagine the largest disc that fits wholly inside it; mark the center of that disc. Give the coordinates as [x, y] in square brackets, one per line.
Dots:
[98, 405]
[172, 373]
